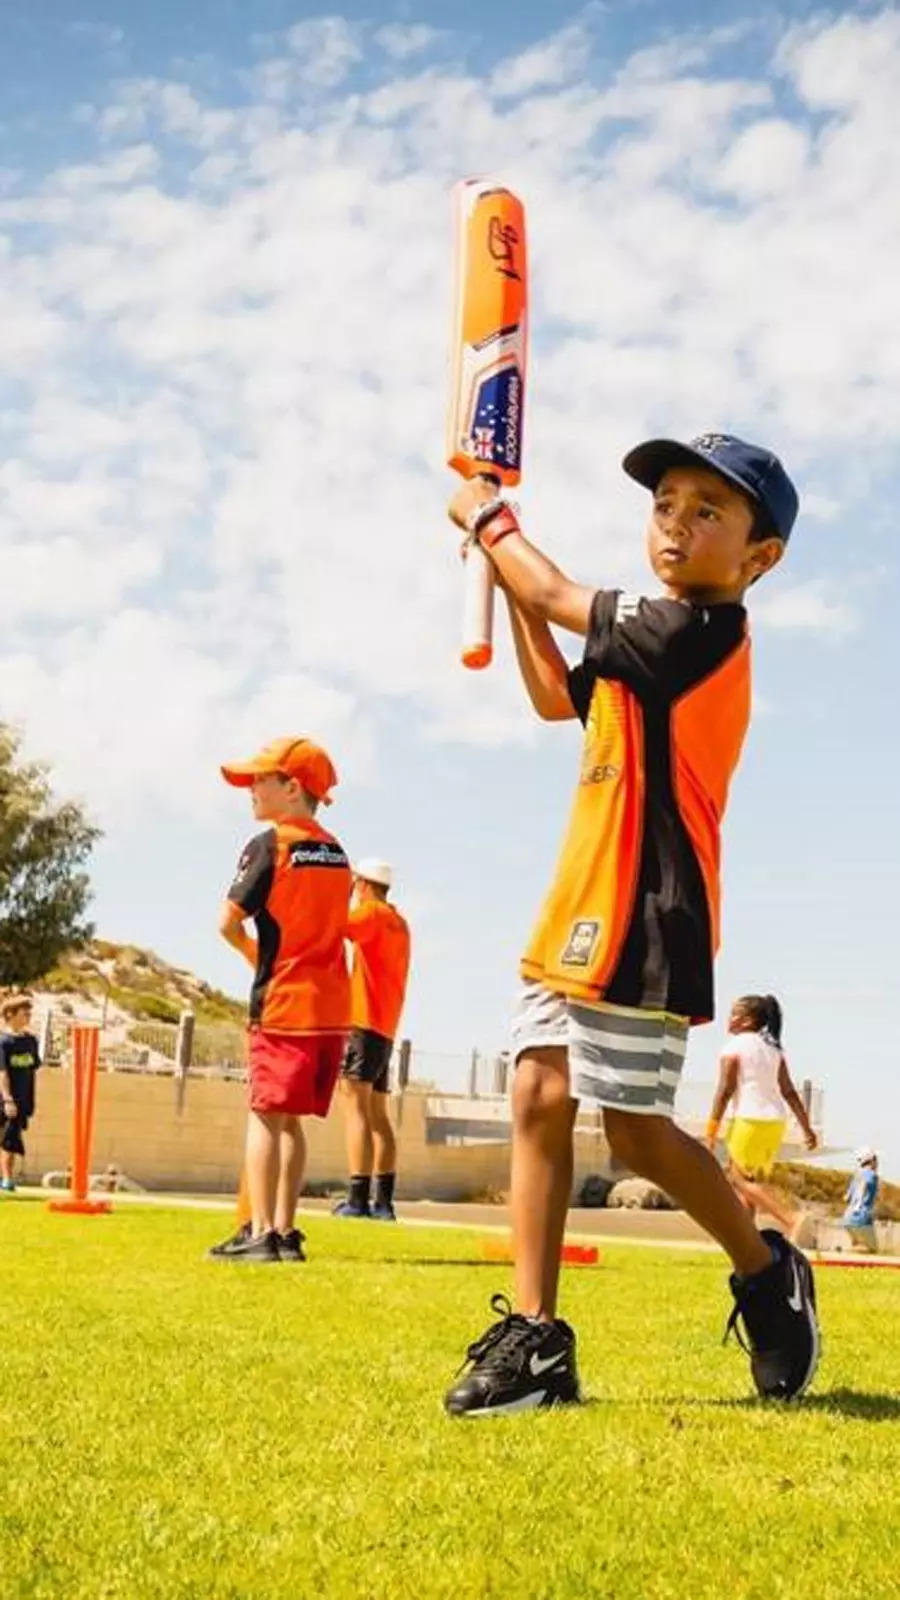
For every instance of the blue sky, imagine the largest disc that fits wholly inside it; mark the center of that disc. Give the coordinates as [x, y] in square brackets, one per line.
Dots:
[224, 284]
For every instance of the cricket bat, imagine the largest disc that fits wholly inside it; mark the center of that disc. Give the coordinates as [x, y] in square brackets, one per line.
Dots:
[487, 382]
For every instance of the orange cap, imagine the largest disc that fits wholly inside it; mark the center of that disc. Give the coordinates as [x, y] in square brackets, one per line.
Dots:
[294, 758]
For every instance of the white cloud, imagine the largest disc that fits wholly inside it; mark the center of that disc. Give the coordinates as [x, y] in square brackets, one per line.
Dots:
[401, 40]
[813, 606]
[224, 348]
[845, 64]
[544, 66]
[318, 54]
[769, 157]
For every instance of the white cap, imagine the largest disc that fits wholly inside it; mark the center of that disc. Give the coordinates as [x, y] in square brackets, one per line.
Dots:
[864, 1155]
[374, 871]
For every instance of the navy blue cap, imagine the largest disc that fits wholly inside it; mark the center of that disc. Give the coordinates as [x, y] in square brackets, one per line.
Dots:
[755, 470]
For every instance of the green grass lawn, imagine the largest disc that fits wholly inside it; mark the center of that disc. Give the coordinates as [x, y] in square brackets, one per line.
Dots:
[177, 1427]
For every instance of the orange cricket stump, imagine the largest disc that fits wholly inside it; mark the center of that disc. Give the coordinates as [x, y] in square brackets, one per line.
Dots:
[571, 1255]
[85, 1056]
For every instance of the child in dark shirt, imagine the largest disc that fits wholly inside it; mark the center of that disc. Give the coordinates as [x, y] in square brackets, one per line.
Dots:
[19, 1061]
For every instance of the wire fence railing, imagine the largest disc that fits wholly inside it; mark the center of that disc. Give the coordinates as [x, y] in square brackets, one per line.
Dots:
[192, 1049]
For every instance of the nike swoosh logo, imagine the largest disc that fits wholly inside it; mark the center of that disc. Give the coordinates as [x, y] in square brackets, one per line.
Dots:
[537, 1365]
[795, 1300]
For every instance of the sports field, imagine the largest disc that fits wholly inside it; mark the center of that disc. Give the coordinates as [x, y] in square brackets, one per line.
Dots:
[182, 1428]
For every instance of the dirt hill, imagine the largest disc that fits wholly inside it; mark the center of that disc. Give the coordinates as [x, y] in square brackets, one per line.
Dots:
[139, 984]
[823, 1188]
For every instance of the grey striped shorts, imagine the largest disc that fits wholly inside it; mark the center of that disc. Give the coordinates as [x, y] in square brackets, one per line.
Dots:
[625, 1059]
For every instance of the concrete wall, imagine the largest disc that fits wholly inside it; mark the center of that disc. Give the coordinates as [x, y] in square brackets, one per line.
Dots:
[139, 1129]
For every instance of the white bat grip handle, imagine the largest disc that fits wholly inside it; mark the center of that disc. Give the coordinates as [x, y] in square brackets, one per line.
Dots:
[478, 610]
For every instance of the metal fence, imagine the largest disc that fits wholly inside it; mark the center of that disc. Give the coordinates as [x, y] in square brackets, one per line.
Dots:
[190, 1049]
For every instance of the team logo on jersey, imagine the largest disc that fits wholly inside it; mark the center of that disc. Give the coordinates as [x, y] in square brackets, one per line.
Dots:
[583, 938]
[317, 853]
[598, 772]
[627, 607]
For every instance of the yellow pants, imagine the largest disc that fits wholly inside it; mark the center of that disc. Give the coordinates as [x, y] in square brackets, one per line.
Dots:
[753, 1146]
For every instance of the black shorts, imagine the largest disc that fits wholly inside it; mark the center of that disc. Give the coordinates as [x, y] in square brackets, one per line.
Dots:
[11, 1139]
[367, 1059]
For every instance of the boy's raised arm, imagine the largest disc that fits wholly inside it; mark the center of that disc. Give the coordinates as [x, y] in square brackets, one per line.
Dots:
[542, 664]
[526, 573]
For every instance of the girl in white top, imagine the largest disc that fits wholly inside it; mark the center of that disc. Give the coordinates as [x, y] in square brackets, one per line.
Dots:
[753, 1073]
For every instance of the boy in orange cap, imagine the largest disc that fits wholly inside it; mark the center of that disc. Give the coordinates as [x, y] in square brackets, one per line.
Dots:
[293, 881]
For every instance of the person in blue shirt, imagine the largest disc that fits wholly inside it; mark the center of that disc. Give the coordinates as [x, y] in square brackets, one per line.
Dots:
[862, 1193]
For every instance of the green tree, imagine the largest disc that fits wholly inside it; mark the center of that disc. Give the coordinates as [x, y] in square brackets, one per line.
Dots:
[44, 889]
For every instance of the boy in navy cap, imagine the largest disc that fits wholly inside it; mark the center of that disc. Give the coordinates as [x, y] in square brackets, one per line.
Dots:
[620, 963]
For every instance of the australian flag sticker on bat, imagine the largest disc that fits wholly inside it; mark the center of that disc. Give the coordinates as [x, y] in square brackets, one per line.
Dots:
[495, 431]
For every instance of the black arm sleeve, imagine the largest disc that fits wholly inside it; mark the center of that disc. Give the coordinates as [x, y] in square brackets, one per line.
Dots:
[253, 879]
[659, 648]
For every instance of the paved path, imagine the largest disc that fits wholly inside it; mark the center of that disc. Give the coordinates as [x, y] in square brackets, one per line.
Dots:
[673, 1229]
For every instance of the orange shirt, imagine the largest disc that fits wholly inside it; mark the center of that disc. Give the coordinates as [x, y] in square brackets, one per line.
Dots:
[294, 880]
[380, 966]
[632, 917]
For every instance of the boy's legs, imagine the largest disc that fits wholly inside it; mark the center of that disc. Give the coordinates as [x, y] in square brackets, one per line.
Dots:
[759, 1197]
[384, 1143]
[356, 1101]
[541, 1176]
[655, 1148]
[384, 1154]
[11, 1147]
[527, 1359]
[291, 1165]
[264, 1129]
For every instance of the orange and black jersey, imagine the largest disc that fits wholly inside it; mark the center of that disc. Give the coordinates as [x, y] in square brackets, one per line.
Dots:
[294, 880]
[632, 918]
[380, 966]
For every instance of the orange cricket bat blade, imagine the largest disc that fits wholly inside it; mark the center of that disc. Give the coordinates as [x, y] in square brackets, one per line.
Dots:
[487, 384]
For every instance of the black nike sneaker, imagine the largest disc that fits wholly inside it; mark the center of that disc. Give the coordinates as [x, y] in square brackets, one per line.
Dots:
[777, 1308]
[290, 1245]
[244, 1247]
[517, 1365]
[227, 1246]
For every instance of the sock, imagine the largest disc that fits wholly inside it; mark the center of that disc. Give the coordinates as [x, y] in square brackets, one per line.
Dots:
[359, 1191]
[384, 1188]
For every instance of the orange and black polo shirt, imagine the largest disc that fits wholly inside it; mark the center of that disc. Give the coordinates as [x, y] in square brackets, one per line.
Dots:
[380, 966]
[632, 918]
[294, 880]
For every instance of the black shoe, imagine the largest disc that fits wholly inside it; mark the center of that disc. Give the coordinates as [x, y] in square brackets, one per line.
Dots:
[345, 1209]
[290, 1245]
[244, 1247]
[383, 1211]
[778, 1310]
[516, 1365]
[228, 1245]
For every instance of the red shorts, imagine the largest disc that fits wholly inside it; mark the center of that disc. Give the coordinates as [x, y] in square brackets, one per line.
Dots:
[294, 1073]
